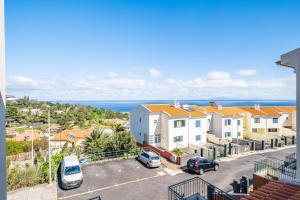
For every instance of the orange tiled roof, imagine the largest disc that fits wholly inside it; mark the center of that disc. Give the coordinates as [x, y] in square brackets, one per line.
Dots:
[172, 111]
[27, 136]
[71, 135]
[275, 190]
[286, 108]
[225, 111]
[262, 111]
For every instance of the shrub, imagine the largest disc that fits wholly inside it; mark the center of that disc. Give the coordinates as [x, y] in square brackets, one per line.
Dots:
[178, 152]
[246, 136]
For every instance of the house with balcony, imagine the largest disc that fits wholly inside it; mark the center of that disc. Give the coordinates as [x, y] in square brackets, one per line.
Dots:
[169, 126]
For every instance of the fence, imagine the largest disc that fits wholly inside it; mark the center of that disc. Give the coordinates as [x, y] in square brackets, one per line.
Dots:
[197, 188]
[116, 154]
[274, 169]
[21, 156]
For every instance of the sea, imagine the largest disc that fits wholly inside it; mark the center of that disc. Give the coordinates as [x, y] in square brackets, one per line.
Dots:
[128, 105]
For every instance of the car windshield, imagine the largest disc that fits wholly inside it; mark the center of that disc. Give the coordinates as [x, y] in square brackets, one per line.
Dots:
[72, 170]
[154, 158]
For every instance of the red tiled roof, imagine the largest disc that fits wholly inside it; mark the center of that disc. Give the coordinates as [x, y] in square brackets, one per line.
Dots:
[275, 191]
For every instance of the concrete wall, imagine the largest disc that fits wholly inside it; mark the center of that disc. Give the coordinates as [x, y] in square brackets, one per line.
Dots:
[217, 125]
[164, 120]
[2, 106]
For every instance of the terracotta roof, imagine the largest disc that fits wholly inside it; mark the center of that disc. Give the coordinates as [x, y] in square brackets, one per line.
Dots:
[275, 191]
[225, 111]
[262, 110]
[286, 108]
[172, 111]
[26, 136]
[71, 135]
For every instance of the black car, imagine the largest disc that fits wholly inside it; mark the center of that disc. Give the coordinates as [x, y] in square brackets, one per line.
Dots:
[200, 165]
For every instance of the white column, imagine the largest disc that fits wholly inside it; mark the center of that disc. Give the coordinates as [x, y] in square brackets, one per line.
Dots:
[297, 70]
[2, 106]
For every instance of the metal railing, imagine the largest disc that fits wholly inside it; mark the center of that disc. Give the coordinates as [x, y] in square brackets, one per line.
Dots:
[197, 188]
[291, 158]
[273, 168]
[115, 154]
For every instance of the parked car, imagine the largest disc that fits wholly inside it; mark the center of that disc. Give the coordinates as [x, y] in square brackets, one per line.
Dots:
[71, 174]
[85, 161]
[149, 158]
[200, 165]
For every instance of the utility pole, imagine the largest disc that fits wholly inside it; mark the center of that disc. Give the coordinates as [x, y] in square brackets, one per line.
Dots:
[49, 146]
[32, 158]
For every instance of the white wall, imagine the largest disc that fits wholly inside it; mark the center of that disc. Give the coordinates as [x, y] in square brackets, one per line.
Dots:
[137, 128]
[202, 130]
[173, 132]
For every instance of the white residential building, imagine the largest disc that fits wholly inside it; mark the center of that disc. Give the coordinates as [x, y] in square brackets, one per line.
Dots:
[226, 122]
[169, 126]
[268, 119]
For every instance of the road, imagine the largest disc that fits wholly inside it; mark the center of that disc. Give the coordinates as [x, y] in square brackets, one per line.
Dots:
[130, 180]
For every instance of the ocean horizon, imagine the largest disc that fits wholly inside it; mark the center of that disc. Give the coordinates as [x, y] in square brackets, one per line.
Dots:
[128, 105]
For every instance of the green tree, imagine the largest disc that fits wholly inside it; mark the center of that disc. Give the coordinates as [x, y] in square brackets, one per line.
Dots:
[96, 144]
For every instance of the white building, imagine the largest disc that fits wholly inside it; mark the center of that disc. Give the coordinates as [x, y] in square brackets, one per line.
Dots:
[268, 119]
[169, 126]
[226, 122]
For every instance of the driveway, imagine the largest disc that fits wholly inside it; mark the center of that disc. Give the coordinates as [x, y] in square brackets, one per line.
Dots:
[130, 180]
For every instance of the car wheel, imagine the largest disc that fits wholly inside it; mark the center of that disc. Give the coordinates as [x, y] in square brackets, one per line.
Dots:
[216, 167]
[148, 165]
[201, 171]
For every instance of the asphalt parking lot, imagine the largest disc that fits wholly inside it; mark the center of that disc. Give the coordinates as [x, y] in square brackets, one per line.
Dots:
[130, 180]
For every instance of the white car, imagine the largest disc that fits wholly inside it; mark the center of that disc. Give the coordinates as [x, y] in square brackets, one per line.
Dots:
[71, 174]
[149, 158]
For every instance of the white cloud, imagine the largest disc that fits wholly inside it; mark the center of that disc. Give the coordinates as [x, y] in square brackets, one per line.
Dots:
[218, 75]
[155, 72]
[247, 72]
[214, 85]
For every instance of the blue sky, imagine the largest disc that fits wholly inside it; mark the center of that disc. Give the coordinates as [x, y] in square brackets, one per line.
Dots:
[138, 49]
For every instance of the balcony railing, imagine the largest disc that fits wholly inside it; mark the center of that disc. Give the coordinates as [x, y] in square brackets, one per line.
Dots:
[197, 189]
[273, 168]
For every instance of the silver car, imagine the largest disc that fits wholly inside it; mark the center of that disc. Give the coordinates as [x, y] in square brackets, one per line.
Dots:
[149, 158]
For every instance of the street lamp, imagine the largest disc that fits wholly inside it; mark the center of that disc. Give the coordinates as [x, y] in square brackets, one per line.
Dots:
[49, 146]
[32, 158]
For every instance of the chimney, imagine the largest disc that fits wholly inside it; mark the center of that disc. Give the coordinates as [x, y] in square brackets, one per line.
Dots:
[176, 104]
[256, 106]
[219, 107]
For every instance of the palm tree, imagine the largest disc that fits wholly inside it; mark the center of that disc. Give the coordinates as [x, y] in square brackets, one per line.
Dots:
[96, 144]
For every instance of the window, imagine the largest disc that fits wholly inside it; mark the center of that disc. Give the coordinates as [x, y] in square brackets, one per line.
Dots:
[272, 130]
[275, 120]
[227, 122]
[238, 133]
[157, 138]
[254, 130]
[179, 123]
[140, 133]
[238, 122]
[227, 134]
[198, 123]
[140, 120]
[155, 121]
[198, 137]
[72, 170]
[178, 139]
[256, 120]
[151, 139]
[287, 118]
